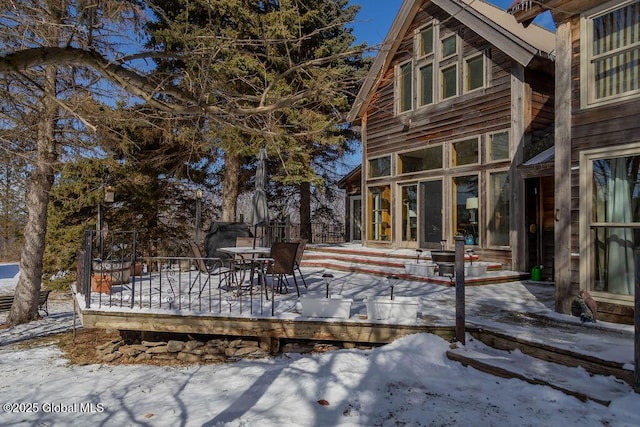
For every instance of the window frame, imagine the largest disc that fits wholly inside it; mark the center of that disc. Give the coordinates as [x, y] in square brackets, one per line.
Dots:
[490, 215]
[465, 72]
[399, 87]
[442, 69]
[488, 146]
[369, 168]
[442, 39]
[419, 39]
[587, 257]
[451, 152]
[587, 72]
[399, 161]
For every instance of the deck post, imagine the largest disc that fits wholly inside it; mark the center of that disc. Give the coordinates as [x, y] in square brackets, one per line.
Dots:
[459, 269]
[636, 316]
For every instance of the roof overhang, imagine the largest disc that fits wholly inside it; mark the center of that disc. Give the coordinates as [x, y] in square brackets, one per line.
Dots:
[525, 11]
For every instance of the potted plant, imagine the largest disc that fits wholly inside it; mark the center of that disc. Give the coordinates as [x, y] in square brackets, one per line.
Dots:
[392, 307]
[328, 305]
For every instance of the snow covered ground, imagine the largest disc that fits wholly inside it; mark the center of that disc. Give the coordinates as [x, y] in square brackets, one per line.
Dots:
[409, 382]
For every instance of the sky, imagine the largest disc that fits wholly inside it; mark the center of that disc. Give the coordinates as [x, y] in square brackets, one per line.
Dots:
[408, 382]
[376, 16]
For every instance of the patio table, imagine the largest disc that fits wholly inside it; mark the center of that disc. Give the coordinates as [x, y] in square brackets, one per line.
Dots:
[259, 260]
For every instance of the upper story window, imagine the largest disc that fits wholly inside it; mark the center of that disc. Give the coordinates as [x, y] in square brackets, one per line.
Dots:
[405, 87]
[438, 70]
[449, 46]
[474, 73]
[498, 147]
[465, 152]
[425, 41]
[429, 158]
[380, 166]
[611, 52]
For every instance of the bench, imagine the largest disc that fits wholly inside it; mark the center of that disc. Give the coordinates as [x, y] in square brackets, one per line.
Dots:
[7, 300]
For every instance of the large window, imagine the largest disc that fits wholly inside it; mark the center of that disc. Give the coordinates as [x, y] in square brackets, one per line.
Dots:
[613, 222]
[465, 207]
[420, 160]
[611, 51]
[498, 208]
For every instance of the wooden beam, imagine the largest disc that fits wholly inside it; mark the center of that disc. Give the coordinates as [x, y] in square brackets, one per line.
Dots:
[272, 327]
[562, 229]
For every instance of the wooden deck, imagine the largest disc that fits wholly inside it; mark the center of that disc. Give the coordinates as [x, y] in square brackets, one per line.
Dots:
[191, 302]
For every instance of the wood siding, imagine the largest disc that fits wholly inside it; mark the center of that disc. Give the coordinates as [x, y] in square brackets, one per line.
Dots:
[597, 127]
[473, 114]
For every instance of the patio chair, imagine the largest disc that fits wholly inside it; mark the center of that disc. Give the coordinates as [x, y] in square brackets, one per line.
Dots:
[299, 254]
[217, 268]
[284, 256]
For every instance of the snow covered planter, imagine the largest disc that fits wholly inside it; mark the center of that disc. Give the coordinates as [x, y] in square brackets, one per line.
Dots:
[474, 270]
[398, 308]
[335, 306]
[422, 269]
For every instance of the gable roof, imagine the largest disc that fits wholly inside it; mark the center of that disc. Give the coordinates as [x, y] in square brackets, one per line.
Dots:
[490, 22]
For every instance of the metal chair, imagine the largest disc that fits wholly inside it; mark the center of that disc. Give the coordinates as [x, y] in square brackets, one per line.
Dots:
[284, 257]
[299, 254]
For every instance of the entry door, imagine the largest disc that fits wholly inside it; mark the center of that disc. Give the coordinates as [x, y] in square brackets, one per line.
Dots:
[431, 214]
[356, 219]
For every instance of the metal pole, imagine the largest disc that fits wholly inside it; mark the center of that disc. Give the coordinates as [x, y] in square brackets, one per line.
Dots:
[100, 228]
[198, 214]
[636, 316]
[460, 314]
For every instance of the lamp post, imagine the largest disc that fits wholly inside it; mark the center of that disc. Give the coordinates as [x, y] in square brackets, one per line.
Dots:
[198, 214]
[327, 278]
[107, 197]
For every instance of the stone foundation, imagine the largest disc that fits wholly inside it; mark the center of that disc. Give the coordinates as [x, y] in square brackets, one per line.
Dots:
[191, 351]
[218, 350]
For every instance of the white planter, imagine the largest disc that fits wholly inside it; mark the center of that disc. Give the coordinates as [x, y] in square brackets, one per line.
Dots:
[409, 268]
[424, 269]
[335, 306]
[117, 271]
[398, 309]
[475, 270]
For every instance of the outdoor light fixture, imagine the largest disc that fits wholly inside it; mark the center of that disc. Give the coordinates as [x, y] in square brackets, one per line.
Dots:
[472, 206]
[109, 194]
[392, 282]
[327, 278]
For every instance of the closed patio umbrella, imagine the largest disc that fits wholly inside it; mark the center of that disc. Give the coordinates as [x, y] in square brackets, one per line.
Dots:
[259, 208]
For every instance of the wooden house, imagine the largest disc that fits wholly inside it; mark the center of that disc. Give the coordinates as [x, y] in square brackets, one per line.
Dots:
[597, 150]
[459, 96]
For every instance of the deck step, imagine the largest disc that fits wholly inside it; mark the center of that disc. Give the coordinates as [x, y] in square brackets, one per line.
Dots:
[384, 263]
[515, 364]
